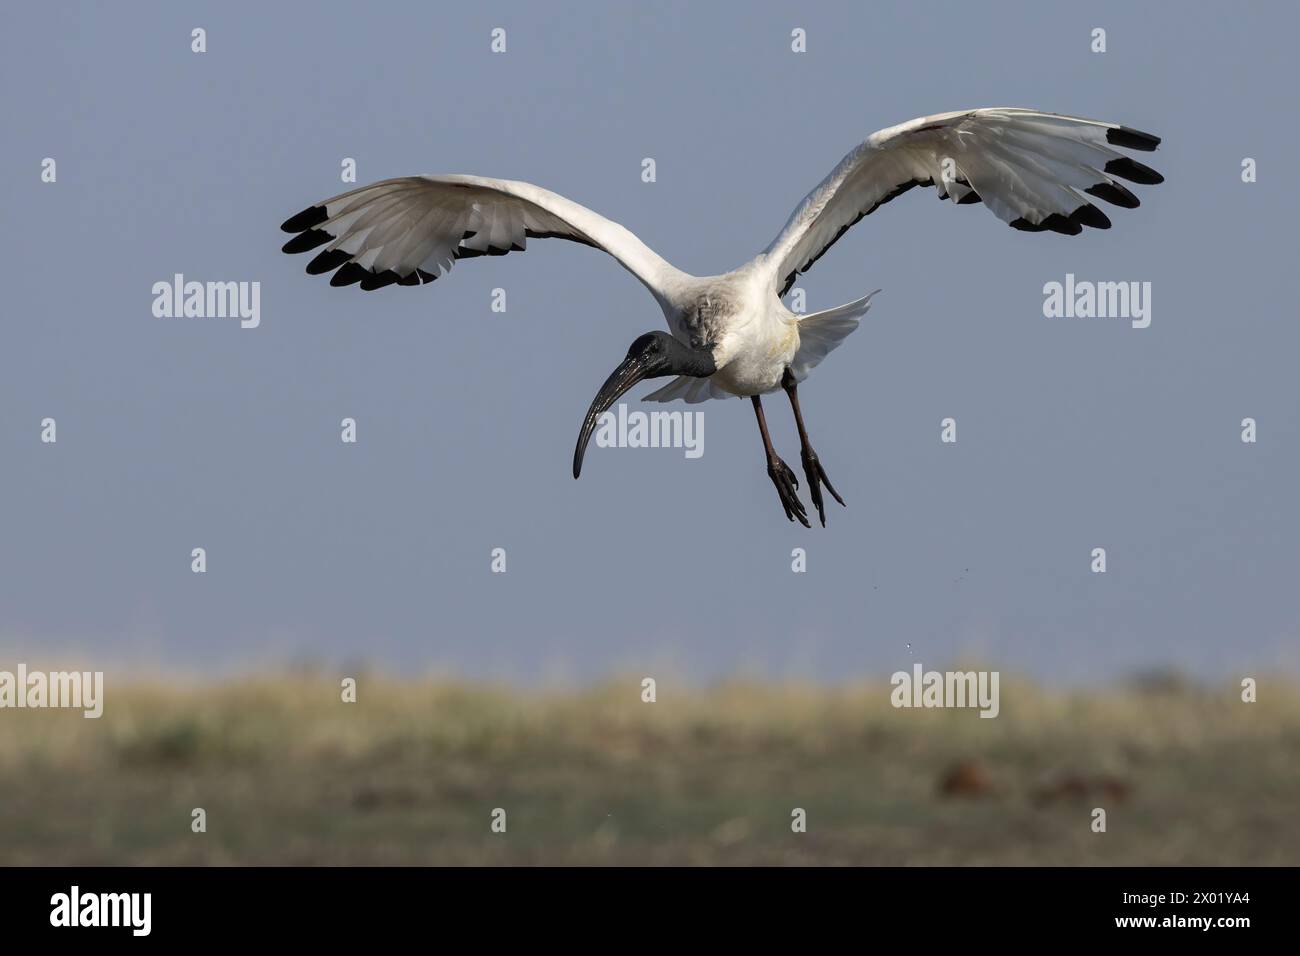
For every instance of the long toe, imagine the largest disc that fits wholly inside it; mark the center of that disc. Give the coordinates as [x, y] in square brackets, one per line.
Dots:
[786, 488]
[816, 475]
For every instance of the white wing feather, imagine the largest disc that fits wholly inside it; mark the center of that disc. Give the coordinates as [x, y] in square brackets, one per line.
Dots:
[411, 230]
[1030, 168]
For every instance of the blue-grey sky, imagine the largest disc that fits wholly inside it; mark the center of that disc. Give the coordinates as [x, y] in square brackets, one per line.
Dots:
[1072, 434]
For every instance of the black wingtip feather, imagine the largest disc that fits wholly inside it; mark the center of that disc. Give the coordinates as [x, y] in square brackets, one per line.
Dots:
[1115, 194]
[464, 253]
[312, 216]
[327, 261]
[350, 273]
[1055, 222]
[306, 241]
[1134, 171]
[378, 280]
[1132, 138]
[418, 277]
[1062, 224]
[1090, 215]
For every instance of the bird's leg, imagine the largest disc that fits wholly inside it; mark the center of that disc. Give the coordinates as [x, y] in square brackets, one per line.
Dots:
[780, 473]
[812, 467]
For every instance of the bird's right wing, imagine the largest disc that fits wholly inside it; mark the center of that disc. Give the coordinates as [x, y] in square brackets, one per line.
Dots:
[1029, 168]
[411, 230]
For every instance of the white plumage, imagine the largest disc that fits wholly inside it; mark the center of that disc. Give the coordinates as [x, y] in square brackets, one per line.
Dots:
[1035, 171]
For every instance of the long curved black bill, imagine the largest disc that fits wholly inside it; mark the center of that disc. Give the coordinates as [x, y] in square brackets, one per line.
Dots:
[624, 377]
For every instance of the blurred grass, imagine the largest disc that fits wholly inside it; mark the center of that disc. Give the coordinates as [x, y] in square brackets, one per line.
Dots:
[410, 774]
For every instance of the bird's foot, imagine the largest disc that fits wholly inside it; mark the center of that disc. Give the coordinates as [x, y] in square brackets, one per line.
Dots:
[786, 486]
[816, 475]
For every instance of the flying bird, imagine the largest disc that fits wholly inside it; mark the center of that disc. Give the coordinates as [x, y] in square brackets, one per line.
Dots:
[732, 334]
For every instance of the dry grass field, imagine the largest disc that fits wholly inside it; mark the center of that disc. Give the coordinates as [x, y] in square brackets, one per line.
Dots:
[411, 773]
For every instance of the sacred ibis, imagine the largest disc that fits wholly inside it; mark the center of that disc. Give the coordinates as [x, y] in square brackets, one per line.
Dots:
[731, 334]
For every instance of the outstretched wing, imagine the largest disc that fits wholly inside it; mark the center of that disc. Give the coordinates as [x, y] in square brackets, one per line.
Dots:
[1031, 169]
[411, 230]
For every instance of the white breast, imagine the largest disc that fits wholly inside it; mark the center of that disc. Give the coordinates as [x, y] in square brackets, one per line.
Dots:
[760, 352]
[753, 336]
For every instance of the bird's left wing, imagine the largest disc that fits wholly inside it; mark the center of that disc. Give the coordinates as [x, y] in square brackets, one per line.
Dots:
[411, 230]
[1031, 169]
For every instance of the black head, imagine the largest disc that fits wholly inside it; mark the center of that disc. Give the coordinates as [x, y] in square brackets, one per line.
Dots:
[652, 355]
